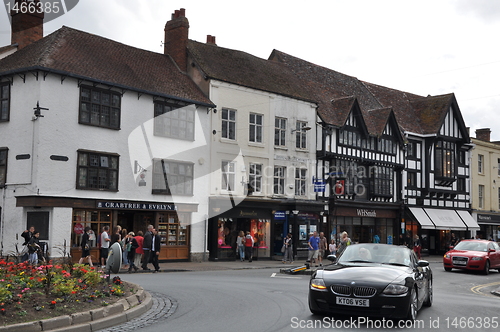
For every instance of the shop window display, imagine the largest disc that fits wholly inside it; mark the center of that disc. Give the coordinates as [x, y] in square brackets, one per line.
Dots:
[96, 220]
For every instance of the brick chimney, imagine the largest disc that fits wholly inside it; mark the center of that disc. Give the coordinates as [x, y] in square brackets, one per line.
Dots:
[483, 134]
[211, 40]
[27, 27]
[176, 38]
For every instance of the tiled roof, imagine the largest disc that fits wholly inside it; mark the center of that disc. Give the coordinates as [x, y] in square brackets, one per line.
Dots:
[247, 70]
[87, 56]
[431, 111]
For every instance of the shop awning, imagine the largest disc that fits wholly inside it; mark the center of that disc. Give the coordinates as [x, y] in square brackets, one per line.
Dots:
[446, 219]
[422, 218]
[468, 220]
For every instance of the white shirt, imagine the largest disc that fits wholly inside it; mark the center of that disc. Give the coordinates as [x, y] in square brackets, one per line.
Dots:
[104, 243]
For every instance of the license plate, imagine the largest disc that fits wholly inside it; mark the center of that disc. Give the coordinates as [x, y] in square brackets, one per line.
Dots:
[353, 302]
[460, 262]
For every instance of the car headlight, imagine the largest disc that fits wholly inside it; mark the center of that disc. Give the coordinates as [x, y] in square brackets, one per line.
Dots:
[318, 284]
[447, 255]
[477, 258]
[394, 289]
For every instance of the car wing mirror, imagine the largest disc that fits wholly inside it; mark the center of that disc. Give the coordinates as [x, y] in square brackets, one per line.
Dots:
[422, 263]
[331, 258]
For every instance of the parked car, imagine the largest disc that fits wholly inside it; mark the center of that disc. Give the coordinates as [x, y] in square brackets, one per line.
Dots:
[372, 279]
[475, 255]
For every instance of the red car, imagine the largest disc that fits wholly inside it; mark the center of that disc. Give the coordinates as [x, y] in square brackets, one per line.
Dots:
[476, 255]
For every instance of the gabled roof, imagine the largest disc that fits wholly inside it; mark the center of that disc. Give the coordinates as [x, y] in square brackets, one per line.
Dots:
[86, 56]
[244, 69]
[431, 111]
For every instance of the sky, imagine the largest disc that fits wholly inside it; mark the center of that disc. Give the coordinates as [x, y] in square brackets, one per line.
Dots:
[425, 47]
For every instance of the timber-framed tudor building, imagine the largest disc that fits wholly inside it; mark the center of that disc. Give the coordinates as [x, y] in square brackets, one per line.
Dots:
[204, 141]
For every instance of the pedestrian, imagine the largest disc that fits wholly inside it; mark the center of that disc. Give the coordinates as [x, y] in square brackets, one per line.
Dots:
[313, 246]
[323, 247]
[146, 247]
[453, 240]
[288, 254]
[117, 235]
[26, 235]
[132, 246]
[139, 252]
[86, 246]
[248, 246]
[344, 242]
[155, 250]
[34, 248]
[240, 244]
[105, 242]
[332, 247]
[416, 246]
[125, 240]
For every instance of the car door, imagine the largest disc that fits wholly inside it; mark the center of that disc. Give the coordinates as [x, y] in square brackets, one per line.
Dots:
[494, 255]
[420, 276]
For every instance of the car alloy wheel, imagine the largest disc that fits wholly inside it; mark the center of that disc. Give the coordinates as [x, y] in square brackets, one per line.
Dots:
[487, 267]
[413, 305]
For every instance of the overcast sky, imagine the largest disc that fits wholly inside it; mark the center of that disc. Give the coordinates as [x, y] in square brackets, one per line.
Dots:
[426, 47]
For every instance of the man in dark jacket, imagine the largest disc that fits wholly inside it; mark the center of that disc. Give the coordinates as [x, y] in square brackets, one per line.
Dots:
[146, 246]
[155, 250]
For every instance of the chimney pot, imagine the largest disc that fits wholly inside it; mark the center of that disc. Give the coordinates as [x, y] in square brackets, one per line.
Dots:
[176, 38]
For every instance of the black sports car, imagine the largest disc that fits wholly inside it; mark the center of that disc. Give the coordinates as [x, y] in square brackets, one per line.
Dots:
[372, 279]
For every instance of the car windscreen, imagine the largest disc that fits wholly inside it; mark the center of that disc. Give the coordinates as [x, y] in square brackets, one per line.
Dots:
[381, 254]
[471, 246]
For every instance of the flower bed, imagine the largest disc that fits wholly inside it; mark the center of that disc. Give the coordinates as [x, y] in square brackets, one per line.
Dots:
[29, 293]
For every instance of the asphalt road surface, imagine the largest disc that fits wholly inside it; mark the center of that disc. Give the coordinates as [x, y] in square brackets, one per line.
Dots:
[265, 300]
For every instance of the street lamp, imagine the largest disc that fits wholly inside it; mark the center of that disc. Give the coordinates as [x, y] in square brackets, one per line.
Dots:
[295, 238]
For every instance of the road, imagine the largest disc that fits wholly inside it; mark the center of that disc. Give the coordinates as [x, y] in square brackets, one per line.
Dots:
[265, 300]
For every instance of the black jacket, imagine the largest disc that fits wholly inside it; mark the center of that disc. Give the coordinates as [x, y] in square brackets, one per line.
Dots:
[157, 243]
[148, 240]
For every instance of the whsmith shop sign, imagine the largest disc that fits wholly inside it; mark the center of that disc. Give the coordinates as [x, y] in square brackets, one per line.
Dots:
[135, 206]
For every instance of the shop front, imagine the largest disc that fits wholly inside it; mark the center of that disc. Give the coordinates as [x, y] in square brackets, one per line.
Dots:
[489, 226]
[224, 229]
[364, 225]
[172, 221]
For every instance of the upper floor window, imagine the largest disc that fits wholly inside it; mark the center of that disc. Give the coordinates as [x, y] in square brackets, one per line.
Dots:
[97, 171]
[480, 163]
[300, 182]
[444, 158]
[279, 180]
[228, 175]
[228, 124]
[412, 149]
[171, 177]
[279, 132]
[99, 107]
[350, 136]
[174, 122]
[480, 194]
[301, 129]
[3, 166]
[383, 181]
[387, 145]
[255, 178]
[255, 129]
[412, 179]
[498, 166]
[4, 101]
[462, 157]
[461, 184]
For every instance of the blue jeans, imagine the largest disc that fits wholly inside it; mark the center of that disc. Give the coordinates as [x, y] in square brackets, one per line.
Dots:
[241, 250]
[33, 258]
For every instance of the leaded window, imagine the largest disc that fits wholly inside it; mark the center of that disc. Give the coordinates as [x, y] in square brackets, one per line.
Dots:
[97, 171]
[382, 181]
[4, 101]
[99, 107]
[444, 166]
[3, 167]
[172, 177]
[174, 122]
